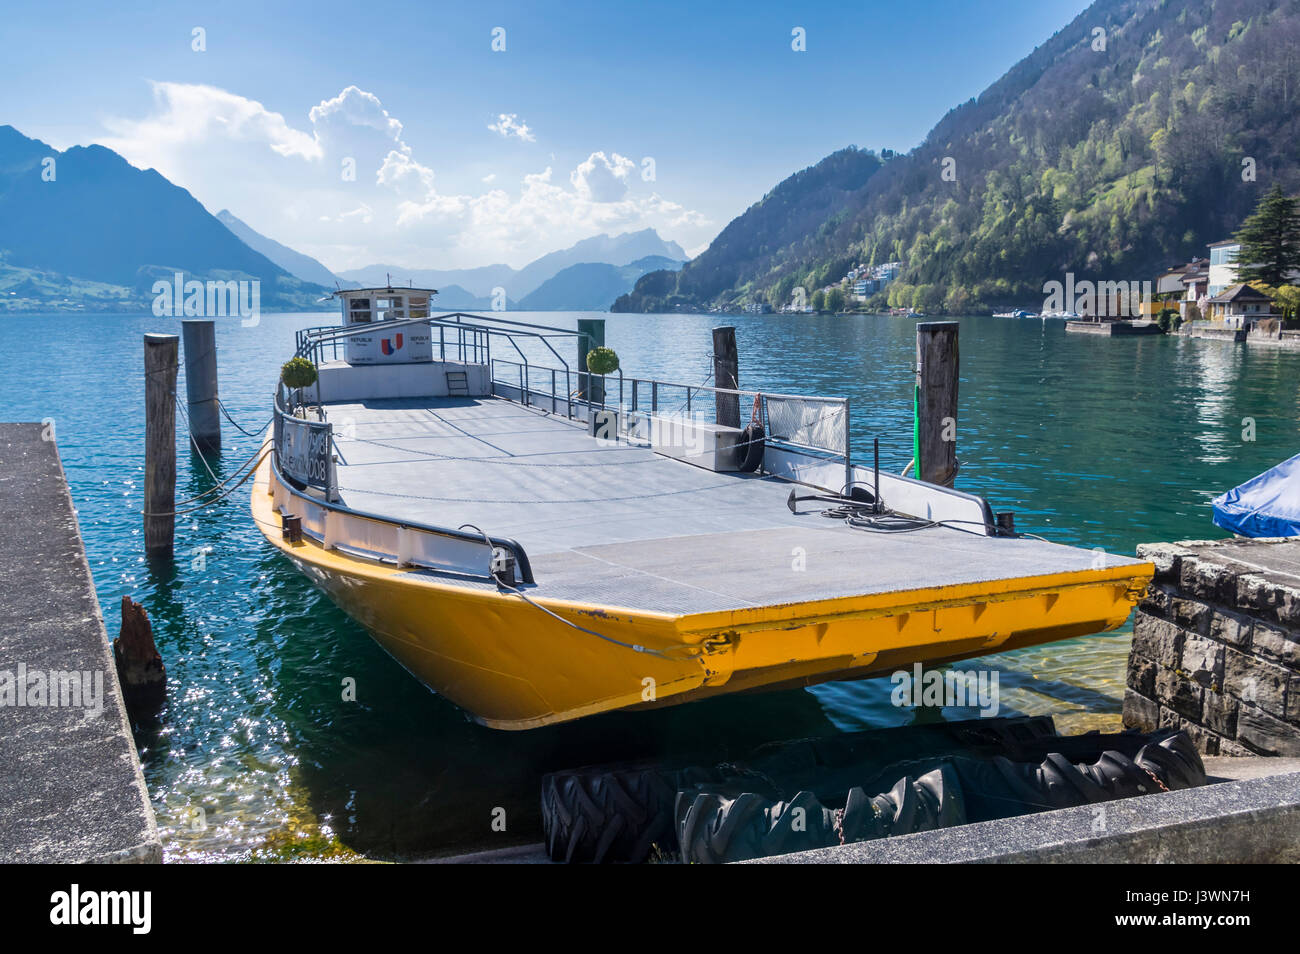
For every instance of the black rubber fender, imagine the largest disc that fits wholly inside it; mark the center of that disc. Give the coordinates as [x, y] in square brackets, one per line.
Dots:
[622, 813]
[750, 447]
[785, 796]
[934, 800]
[1173, 761]
[716, 829]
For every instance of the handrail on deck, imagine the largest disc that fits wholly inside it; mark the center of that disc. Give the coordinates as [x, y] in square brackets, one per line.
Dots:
[311, 342]
[527, 393]
[327, 333]
[507, 544]
[319, 473]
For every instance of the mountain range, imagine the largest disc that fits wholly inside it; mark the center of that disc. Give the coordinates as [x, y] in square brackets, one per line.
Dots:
[591, 286]
[615, 250]
[85, 227]
[295, 263]
[1136, 135]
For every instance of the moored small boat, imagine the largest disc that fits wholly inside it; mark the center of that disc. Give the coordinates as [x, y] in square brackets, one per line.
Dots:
[1264, 506]
[538, 544]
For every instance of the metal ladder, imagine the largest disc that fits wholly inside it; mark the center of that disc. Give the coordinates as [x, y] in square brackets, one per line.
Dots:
[457, 384]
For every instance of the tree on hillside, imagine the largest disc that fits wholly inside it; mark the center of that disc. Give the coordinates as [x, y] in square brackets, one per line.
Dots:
[835, 299]
[1270, 240]
[1286, 298]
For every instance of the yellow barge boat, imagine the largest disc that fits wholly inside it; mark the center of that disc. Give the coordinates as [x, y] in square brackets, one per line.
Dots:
[536, 554]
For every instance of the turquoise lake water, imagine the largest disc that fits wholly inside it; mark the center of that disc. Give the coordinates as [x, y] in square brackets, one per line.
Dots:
[1092, 441]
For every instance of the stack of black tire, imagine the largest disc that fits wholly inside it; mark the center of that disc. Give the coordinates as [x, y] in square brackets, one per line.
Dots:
[819, 793]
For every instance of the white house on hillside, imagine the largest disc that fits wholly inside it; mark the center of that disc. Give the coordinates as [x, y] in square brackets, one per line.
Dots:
[1223, 265]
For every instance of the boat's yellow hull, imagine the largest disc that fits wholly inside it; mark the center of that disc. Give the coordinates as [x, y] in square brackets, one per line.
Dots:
[512, 666]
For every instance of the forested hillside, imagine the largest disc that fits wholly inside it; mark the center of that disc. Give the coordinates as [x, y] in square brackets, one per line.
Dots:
[792, 223]
[1139, 133]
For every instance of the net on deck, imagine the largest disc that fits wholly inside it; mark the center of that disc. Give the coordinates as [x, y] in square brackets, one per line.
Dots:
[810, 423]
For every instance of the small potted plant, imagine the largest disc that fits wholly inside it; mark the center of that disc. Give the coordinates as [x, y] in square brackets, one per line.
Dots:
[602, 361]
[298, 373]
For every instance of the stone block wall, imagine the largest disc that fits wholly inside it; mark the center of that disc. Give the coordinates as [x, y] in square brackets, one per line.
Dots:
[1216, 646]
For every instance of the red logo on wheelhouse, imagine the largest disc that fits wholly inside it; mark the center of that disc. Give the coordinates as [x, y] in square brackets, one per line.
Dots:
[388, 347]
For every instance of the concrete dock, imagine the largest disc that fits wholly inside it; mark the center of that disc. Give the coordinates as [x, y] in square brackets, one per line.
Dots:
[1267, 334]
[1112, 329]
[71, 787]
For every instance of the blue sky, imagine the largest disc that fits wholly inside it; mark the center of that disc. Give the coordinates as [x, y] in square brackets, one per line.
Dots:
[414, 94]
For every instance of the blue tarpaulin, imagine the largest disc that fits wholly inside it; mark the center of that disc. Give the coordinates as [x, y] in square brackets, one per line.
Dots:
[1264, 506]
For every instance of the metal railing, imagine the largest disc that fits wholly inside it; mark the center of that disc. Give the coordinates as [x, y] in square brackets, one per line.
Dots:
[465, 343]
[802, 422]
[460, 336]
[304, 459]
[304, 448]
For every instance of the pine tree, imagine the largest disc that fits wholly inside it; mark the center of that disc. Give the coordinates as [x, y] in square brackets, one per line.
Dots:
[1270, 240]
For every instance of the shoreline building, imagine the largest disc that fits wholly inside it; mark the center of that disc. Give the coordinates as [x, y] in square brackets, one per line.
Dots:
[1239, 307]
[1223, 266]
[867, 281]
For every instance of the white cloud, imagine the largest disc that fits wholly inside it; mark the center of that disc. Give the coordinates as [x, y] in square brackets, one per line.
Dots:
[288, 183]
[602, 179]
[355, 107]
[508, 126]
[186, 113]
[362, 213]
[404, 174]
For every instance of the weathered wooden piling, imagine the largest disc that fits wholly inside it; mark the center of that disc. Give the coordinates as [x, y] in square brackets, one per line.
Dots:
[591, 334]
[160, 363]
[726, 374]
[937, 369]
[202, 408]
[139, 665]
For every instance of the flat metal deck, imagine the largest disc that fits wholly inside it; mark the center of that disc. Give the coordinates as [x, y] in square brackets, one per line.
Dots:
[621, 525]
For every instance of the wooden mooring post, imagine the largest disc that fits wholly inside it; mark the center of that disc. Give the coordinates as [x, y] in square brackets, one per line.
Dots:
[726, 374]
[160, 362]
[202, 409]
[140, 668]
[935, 428]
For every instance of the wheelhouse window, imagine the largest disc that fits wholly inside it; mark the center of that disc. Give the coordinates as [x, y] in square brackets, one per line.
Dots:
[359, 311]
[392, 308]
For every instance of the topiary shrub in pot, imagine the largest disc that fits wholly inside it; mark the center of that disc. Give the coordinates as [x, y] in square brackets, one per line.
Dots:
[298, 373]
[602, 361]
